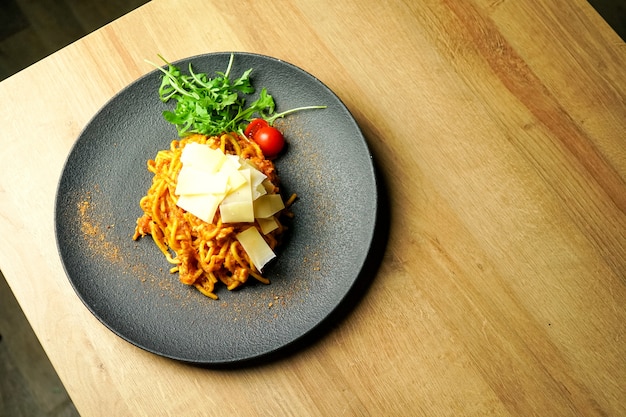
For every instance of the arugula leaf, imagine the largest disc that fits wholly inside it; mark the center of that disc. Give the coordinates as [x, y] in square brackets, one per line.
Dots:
[212, 106]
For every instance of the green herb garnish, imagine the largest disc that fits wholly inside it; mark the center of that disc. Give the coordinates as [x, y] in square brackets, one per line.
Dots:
[211, 106]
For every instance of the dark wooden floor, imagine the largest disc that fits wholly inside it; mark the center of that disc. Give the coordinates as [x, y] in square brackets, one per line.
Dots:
[29, 31]
[614, 12]
[32, 29]
[29, 385]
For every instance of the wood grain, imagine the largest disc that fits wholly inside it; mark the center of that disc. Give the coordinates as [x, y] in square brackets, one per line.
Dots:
[498, 128]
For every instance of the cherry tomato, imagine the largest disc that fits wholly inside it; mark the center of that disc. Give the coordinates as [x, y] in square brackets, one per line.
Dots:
[270, 140]
[254, 126]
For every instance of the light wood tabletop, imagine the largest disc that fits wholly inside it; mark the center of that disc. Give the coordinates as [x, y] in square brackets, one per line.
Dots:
[499, 132]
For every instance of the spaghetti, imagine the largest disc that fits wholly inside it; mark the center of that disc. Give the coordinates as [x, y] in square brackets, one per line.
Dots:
[203, 253]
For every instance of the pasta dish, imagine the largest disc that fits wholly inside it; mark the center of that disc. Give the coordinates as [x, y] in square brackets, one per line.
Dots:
[221, 247]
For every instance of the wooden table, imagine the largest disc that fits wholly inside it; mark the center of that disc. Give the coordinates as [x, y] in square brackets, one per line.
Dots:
[499, 128]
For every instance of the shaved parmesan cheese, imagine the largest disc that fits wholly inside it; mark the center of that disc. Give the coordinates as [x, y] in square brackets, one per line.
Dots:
[237, 206]
[202, 157]
[255, 246]
[258, 191]
[211, 180]
[231, 163]
[235, 180]
[237, 212]
[267, 205]
[202, 206]
[242, 193]
[192, 180]
[267, 225]
[256, 177]
[268, 185]
[234, 160]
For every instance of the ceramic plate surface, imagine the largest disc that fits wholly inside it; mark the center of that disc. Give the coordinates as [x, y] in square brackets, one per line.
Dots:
[127, 284]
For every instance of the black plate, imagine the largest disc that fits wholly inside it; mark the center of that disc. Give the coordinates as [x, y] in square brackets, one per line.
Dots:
[126, 284]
